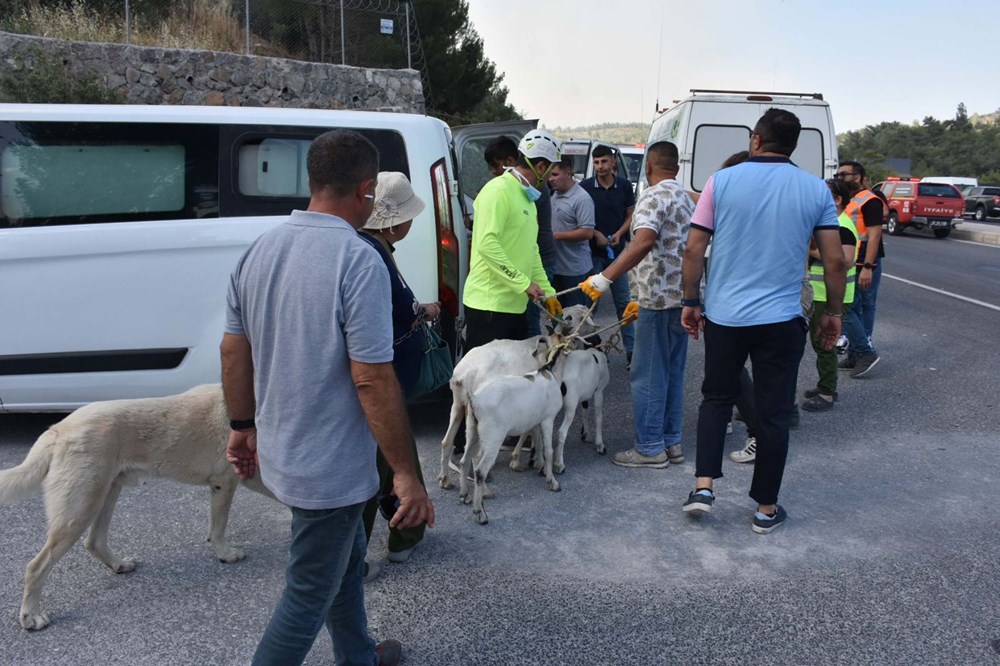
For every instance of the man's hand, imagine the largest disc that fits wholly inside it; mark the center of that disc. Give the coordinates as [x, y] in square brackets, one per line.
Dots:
[829, 331]
[553, 306]
[631, 313]
[241, 452]
[865, 279]
[615, 239]
[431, 310]
[692, 320]
[595, 286]
[415, 507]
[534, 292]
[599, 239]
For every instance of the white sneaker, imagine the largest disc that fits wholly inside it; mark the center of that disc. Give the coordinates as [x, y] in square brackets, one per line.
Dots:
[842, 344]
[747, 454]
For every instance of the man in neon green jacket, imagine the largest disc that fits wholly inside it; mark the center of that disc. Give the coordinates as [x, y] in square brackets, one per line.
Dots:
[505, 268]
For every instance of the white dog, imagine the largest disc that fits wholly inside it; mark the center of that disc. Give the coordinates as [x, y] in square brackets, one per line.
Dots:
[83, 461]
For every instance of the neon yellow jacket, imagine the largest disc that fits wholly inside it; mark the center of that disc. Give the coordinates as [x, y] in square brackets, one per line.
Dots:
[504, 259]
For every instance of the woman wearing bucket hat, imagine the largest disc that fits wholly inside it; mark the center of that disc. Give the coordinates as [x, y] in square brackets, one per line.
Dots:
[396, 205]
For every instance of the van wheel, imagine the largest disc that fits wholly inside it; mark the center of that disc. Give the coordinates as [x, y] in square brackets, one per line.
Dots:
[980, 214]
[942, 233]
[893, 226]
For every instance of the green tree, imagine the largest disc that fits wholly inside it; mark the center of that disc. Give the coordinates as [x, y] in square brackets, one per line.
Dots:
[465, 86]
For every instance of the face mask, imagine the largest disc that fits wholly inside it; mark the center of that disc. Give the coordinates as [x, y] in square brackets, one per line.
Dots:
[530, 191]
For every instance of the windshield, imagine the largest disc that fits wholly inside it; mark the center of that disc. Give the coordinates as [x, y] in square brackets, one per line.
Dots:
[633, 163]
[937, 190]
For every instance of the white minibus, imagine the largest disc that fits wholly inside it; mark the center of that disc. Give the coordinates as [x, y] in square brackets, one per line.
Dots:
[711, 125]
[119, 227]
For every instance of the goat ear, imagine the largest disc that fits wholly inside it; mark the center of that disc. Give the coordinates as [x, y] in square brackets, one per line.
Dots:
[550, 327]
[590, 320]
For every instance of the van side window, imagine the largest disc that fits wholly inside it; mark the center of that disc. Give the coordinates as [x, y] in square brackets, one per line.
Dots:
[712, 145]
[267, 169]
[808, 153]
[474, 173]
[903, 190]
[72, 173]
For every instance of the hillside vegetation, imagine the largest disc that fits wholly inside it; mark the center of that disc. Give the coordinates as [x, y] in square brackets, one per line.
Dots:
[610, 132]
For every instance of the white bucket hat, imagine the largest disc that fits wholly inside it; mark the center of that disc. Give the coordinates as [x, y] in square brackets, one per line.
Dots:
[395, 201]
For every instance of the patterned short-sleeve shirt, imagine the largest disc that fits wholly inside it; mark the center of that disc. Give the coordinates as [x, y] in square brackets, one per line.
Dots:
[666, 209]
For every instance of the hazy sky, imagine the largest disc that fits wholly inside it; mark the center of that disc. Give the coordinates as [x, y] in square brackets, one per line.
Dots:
[579, 62]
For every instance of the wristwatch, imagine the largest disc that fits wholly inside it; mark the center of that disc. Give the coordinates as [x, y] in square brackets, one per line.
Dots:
[246, 424]
[868, 266]
[690, 302]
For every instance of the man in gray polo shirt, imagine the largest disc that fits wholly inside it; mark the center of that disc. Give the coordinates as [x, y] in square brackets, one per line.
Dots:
[572, 229]
[310, 389]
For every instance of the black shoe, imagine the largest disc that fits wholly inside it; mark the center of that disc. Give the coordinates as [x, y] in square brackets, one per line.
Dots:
[389, 653]
[864, 365]
[847, 363]
[816, 404]
[813, 392]
[698, 503]
[765, 525]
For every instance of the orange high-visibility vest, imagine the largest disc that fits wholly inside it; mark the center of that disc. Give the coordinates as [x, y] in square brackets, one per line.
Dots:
[853, 211]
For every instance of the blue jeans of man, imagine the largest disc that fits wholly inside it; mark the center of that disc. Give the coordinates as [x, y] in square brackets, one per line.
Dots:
[620, 294]
[658, 379]
[323, 585]
[859, 323]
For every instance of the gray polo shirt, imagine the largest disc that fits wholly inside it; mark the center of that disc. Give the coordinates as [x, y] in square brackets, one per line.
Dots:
[571, 211]
[311, 296]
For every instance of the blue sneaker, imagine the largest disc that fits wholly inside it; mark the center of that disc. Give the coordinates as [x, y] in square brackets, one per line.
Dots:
[762, 523]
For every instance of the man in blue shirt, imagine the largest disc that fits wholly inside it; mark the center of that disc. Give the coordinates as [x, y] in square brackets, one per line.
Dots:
[760, 216]
[613, 203]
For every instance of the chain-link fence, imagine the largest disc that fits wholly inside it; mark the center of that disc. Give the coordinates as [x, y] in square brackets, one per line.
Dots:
[362, 33]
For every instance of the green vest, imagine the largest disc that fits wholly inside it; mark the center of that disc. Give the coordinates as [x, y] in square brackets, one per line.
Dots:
[816, 268]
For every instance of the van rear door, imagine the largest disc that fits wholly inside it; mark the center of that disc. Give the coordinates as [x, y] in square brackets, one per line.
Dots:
[469, 142]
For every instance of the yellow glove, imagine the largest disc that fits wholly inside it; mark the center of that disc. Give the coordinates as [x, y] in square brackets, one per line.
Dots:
[631, 313]
[594, 286]
[553, 306]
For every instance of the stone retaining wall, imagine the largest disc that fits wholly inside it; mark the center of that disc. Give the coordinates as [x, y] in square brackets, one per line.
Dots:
[149, 75]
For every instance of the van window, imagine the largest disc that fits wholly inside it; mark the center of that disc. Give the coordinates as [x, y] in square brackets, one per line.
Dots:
[712, 145]
[268, 172]
[937, 190]
[632, 163]
[475, 172]
[903, 190]
[71, 173]
[808, 153]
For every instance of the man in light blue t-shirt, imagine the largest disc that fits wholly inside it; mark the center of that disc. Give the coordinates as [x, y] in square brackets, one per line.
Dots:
[760, 216]
[572, 229]
[310, 389]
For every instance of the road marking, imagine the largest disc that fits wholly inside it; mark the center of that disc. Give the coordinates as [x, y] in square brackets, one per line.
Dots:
[979, 243]
[942, 291]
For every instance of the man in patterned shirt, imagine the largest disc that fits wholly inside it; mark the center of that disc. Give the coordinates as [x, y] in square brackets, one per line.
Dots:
[654, 257]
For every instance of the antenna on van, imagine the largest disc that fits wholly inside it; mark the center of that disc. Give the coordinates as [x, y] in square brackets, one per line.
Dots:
[659, 68]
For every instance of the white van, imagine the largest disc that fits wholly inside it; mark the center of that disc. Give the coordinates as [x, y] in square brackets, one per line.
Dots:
[711, 125]
[631, 162]
[581, 151]
[962, 183]
[120, 225]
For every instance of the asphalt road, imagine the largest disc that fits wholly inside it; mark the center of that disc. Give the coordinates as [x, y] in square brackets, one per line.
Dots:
[889, 555]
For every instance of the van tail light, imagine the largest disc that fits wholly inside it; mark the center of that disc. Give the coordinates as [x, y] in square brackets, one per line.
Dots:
[447, 240]
[996, 200]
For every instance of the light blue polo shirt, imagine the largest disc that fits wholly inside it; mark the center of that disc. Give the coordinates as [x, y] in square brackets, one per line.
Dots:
[311, 296]
[761, 215]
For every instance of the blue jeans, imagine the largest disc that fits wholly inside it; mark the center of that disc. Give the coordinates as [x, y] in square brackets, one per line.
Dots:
[658, 379]
[859, 323]
[619, 292]
[323, 585]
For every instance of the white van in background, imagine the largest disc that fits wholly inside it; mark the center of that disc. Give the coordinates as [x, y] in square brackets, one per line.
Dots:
[581, 151]
[630, 166]
[120, 225]
[963, 184]
[711, 125]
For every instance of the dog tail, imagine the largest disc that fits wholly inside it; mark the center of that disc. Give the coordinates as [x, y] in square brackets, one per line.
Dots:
[20, 481]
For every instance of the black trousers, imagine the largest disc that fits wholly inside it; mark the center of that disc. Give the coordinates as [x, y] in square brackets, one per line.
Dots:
[775, 351]
[482, 326]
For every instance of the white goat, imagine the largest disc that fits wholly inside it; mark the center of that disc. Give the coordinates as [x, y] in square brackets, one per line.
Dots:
[497, 359]
[510, 406]
[585, 376]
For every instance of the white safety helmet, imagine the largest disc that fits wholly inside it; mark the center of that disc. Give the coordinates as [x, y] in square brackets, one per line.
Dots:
[539, 144]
